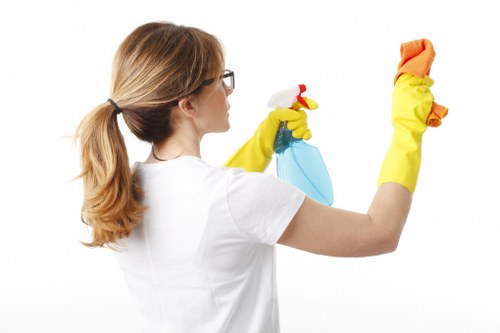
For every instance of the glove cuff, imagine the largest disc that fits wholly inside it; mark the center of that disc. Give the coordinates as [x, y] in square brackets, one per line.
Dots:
[402, 161]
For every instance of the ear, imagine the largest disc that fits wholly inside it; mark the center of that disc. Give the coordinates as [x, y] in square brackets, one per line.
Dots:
[188, 107]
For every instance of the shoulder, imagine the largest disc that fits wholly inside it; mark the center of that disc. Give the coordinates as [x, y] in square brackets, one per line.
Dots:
[239, 180]
[261, 205]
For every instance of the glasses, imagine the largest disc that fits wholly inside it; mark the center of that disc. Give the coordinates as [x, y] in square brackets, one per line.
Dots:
[227, 80]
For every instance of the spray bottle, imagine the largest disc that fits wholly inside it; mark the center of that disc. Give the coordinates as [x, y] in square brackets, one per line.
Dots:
[299, 163]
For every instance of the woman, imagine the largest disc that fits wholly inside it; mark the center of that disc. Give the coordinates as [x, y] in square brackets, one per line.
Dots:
[196, 242]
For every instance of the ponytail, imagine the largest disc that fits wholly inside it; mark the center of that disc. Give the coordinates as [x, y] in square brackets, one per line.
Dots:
[112, 194]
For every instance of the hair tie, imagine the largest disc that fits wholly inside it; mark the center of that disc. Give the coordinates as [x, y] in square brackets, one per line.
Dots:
[117, 108]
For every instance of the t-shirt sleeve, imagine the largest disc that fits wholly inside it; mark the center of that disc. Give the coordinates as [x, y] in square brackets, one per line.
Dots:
[262, 205]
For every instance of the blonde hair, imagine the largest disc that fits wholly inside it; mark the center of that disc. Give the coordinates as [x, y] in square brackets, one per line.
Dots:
[158, 64]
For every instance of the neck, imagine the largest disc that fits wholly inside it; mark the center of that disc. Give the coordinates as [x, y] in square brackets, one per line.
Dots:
[181, 143]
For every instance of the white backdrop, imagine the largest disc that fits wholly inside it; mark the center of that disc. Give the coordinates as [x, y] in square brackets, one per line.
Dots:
[55, 63]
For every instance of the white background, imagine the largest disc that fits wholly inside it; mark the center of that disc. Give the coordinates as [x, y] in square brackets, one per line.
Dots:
[55, 66]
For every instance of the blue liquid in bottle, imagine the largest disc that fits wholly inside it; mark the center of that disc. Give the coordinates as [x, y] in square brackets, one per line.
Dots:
[301, 165]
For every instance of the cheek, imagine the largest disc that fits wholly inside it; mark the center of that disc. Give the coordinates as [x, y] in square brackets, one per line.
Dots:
[222, 116]
[214, 119]
[214, 115]
[220, 105]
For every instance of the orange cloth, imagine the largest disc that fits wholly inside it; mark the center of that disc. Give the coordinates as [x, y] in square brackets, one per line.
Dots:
[416, 59]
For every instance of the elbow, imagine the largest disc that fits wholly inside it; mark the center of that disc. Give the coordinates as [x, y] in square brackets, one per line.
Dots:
[391, 245]
[386, 236]
[388, 243]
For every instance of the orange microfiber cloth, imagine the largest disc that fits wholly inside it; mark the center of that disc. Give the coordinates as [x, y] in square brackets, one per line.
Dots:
[416, 59]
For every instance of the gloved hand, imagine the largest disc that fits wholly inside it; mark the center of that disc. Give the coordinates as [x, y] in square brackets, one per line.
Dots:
[256, 154]
[416, 59]
[412, 102]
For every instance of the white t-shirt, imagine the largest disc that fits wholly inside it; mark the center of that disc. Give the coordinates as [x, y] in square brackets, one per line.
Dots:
[203, 259]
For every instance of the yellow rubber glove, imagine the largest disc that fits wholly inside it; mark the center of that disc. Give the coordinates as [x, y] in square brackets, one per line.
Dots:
[256, 154]
[411, 104]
